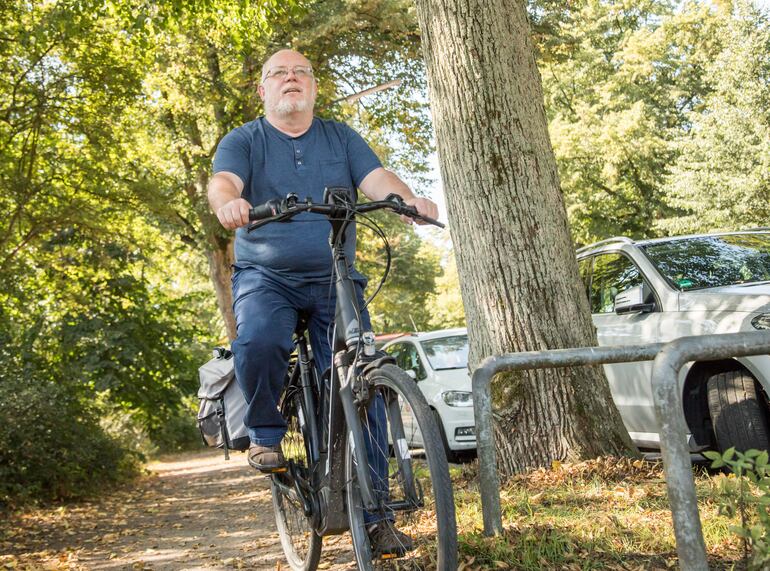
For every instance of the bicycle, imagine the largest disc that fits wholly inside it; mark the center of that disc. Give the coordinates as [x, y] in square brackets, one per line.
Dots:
[328, 486]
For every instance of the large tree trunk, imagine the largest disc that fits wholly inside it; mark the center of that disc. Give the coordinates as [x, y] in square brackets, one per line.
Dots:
[516, 261]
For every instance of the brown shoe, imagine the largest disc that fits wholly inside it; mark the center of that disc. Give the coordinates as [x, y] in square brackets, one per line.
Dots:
[267, 459]
[385, 540]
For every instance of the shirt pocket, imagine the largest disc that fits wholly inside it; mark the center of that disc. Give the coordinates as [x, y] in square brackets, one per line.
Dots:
[336, 172]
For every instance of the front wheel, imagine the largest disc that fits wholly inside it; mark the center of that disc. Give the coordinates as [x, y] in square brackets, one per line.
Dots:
[414, 492]
[739, 412]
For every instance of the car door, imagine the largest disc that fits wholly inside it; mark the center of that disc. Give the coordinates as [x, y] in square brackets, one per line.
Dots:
[413, 362]
[401, 353]
[630, 383]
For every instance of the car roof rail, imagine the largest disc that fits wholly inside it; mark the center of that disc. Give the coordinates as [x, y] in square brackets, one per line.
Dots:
[619, 239]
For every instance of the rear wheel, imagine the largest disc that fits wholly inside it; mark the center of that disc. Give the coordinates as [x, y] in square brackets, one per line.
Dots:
[738, 411]
[301, 544]
[416, 498]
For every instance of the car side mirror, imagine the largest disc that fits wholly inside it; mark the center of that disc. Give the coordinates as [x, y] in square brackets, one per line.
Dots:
[411, 373]
[632, 301]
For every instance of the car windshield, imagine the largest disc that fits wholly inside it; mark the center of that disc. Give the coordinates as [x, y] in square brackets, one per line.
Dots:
[713, 261]
[447, 352]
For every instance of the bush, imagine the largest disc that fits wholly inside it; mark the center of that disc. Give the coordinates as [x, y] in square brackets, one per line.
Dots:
[175, 431]
[180, 431]
[52, 446]
[752, 501]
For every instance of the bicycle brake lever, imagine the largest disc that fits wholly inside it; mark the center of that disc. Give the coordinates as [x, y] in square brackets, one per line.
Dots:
[397, 198]
[283, 218]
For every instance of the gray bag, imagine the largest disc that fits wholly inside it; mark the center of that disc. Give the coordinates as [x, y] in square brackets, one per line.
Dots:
[223, 406]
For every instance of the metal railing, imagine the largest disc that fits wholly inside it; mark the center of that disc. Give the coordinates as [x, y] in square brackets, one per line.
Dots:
[669, 359]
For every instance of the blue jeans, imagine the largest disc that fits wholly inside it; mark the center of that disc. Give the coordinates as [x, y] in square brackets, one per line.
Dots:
[266, 308]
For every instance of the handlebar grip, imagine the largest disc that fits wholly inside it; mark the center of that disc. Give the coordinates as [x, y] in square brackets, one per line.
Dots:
[267, 210]
[412, 211]
[431, 221]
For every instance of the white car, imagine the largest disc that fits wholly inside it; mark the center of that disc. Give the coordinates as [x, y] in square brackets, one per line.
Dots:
[438, 362]
[651, 291]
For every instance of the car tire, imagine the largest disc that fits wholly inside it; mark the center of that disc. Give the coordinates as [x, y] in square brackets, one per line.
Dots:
[451, 455]
[738, 411]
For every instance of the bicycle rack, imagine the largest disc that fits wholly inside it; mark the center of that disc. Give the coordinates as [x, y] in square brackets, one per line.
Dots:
[668, 358]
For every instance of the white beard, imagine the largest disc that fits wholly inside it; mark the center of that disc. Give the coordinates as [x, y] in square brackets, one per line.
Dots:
[284, 107]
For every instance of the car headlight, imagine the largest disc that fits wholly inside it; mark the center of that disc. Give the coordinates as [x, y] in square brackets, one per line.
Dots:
[761, 321]
[458, 398]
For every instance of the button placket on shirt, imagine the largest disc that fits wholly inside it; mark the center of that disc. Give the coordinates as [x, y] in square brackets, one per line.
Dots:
[299, 160]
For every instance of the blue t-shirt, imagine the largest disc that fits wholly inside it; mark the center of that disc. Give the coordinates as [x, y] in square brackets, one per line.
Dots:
[272, 164]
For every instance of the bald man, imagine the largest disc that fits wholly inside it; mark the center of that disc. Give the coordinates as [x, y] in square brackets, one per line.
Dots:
[284, 270]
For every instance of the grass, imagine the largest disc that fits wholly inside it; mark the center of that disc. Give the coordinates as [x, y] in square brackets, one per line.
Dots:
[607, 513]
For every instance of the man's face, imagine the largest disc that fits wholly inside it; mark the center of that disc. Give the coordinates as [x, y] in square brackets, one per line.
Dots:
[289, 93]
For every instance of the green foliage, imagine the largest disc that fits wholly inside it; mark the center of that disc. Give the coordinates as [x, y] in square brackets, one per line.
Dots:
[752, 500]
[104, 356]
[51, 444]
[445, 304]
[611, 100]
[721, 180]
[657, 113]
[400, 305]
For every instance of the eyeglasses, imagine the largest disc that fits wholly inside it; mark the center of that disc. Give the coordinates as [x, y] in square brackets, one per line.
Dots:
[281, 71]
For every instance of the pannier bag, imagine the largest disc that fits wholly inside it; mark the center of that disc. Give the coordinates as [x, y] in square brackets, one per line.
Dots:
[220, 416]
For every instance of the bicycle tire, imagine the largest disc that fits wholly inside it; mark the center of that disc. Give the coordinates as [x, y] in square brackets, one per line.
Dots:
[301, 544]
[431, 527]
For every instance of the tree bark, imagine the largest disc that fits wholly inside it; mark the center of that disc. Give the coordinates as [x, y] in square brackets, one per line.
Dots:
[519, 277]
[220, 252]
[221, 258]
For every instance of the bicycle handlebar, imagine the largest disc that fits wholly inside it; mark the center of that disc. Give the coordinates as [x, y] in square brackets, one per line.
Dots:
[282, 210]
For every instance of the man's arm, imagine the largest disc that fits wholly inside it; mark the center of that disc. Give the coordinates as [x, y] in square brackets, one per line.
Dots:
[381, 182]
[225, 200]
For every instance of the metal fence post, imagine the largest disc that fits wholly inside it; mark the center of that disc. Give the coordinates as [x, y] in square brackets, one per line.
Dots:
[690, 545]
[489, 482]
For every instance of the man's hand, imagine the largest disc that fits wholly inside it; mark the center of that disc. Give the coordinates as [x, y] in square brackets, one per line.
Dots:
[234, 214]
[425, 207]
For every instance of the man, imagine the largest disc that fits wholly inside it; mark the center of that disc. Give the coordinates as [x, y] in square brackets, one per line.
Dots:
[282, 270]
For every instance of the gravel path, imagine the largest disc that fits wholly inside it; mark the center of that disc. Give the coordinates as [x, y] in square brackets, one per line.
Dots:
[195, 511]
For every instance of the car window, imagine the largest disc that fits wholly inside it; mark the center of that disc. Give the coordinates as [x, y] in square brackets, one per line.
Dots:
[407, 358]
[611, 275]
[713, 261]
[395, 351]
[584, 267]
[447, 352]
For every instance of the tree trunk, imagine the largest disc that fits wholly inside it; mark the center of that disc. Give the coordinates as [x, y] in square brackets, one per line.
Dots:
[519, 277]
[220, 252]
[220, 259]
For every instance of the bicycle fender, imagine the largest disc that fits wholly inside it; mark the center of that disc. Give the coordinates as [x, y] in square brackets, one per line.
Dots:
[380, 358]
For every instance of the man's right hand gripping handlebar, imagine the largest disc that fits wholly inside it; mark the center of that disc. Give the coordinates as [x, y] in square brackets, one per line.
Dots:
[234, 214]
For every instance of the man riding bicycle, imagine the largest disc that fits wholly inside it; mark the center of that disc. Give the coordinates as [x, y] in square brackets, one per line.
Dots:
[285, 270]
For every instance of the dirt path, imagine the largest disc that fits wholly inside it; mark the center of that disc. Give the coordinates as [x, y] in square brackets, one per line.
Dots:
[194, 512]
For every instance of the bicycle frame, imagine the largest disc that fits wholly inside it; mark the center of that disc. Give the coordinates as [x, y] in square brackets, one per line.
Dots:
[353, 350]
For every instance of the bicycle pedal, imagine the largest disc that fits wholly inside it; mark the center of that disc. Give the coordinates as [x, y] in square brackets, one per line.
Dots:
[389, 556]
[270, 471]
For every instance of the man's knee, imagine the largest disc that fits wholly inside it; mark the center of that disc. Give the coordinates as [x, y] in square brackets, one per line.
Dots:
[261, 340]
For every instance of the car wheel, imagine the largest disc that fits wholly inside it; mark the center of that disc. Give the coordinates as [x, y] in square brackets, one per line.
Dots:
[738, 411]
[451, 455]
